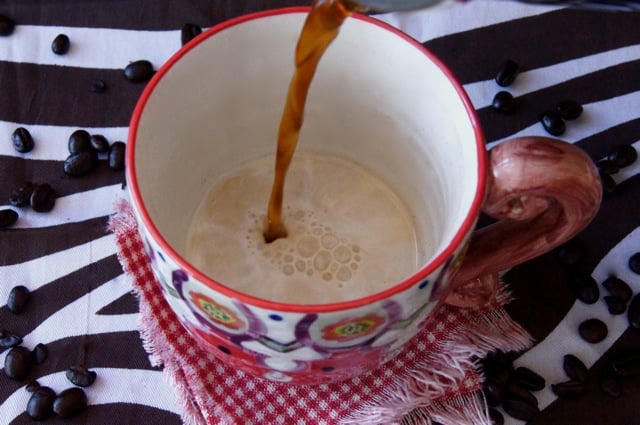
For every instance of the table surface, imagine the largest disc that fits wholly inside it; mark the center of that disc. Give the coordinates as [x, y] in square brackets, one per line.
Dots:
[81, 305]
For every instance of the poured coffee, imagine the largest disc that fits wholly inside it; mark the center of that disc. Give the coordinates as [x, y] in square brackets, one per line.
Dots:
[348, 233]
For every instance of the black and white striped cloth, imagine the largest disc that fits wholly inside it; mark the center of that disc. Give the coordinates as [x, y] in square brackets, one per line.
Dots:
[81, 305]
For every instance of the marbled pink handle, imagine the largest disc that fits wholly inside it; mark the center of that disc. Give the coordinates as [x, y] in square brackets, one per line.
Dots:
[543, 191]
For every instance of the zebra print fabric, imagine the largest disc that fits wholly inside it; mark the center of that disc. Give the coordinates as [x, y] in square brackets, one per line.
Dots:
[81, 306]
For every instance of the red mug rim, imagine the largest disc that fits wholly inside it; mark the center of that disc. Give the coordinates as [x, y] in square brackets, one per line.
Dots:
[419, 275]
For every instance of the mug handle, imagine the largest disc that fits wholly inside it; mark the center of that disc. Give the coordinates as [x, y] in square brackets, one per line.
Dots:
[543, 192]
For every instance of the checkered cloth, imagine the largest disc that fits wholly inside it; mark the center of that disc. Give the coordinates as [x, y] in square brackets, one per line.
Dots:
[434, 379]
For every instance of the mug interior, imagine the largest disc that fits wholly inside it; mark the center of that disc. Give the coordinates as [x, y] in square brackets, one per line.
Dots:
[378, 99]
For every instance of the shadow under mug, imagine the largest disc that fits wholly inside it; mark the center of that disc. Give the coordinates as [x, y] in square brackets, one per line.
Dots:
[382, 101]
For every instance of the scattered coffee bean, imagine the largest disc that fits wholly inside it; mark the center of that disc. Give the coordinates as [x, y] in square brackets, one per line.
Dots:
[60, 45]
[98, 86]
[40, 404]
[495, 417]
[9, 340]
[575, 369]
[8, 217]
[99, 143]
[568, 389]
[633, 312]
[498, 367]
[43, 198]
[70, 402]
[22, 140]
[569, 109]
[493, 392]
[7, 25]
[627, 364]
[615, 305]
[634, 263]
[18, 298]
[17, 363]
[81, 376]
[528, 379]
[607, 166]
[520, 409]
[585, 287]
[514, 391]
[610, 385]
[624, 155]
[503, 102]
[507, 73]
[32, 386]
[609, 185]
[553, 123]
[116, 156]
[81, 163]
[79, 141]
[593, 330]
[138, 71]
[618, 288]
[571, 252]
[20, 197]
[189, 32]
[40, 353]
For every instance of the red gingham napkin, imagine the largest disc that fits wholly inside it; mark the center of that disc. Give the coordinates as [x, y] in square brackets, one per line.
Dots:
[433, 379]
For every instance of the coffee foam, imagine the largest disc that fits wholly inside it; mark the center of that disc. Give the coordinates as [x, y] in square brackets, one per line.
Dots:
[349, 235]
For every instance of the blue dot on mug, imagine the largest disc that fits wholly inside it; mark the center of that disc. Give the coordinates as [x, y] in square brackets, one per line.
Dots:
[275, 317]
[423, 284]
[224, 349]
[161, 256]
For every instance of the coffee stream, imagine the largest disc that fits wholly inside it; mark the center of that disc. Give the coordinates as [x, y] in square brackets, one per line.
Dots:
[319, 30]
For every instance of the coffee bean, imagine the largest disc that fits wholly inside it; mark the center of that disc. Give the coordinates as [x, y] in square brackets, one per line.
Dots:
[615, 305]
[609, 185]
[70, 402]
[610, 385]
[116, 155]
[493, 392]
[569, 109]
[8, 217]
[18, 298]
[99, 143]
[79, 141]
[81, 163]
[575, 369]
[633, 312]
[98, 86]
[9, 340]
[43, 198]
[513, 390]
[593, 330]
[507, 73]
[81, 376]
[32, 386]
[22, 140]
[585, 287]
[607, 166]
[618, 288]
[627, 364]
[189, 32]
[624, 155]
[20, 197]
[7, 25]
[568, 389]
[553, 123]
[503, 102]
[17, 363]
[40, 404]
[520, 409]
[571, 252]
[528, 379]
[60, 45]
[495, 417]
[634, 263]
[138, 71]
[40, 353]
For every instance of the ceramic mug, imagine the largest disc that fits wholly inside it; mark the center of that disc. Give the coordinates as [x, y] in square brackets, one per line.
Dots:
[217, 103]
